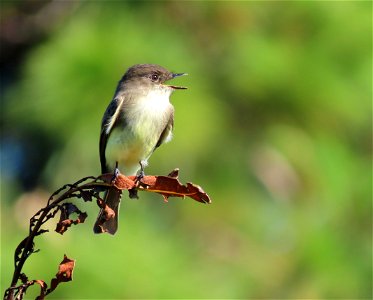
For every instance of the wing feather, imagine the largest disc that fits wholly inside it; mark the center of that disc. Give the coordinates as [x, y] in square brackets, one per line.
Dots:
[109, 120]
[166, 134]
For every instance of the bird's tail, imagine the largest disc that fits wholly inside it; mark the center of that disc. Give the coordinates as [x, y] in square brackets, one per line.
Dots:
[106, 221]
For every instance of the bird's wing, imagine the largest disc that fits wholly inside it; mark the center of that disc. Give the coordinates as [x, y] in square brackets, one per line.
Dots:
[166, 134]
[109, 120]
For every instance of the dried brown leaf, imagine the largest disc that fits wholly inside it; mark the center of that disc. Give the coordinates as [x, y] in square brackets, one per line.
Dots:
[174, 173]
[65, 222]
[64, 274]
[19, 292]
[105, 215]
[167, 186]
[108, 213]
[86, 196]
[43, 289]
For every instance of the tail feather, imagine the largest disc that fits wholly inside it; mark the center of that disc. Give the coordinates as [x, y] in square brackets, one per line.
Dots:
[112, 200]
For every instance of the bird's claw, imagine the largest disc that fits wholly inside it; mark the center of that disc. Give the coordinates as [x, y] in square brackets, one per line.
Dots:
[116, 173]
[141, 174]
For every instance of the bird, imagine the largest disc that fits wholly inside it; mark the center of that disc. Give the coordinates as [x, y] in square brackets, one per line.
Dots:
[137, 121]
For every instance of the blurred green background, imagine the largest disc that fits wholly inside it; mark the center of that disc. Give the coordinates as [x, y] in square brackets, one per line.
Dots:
[275, 126]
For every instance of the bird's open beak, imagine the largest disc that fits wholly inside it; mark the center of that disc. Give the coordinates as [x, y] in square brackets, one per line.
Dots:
[175, 86]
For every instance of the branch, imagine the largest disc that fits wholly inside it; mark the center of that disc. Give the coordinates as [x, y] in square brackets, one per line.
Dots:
[87, 189]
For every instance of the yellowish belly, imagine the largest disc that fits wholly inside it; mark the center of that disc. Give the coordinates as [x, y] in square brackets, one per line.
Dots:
[128, 150]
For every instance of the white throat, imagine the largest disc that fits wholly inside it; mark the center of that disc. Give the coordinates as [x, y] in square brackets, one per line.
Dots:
[151, 104]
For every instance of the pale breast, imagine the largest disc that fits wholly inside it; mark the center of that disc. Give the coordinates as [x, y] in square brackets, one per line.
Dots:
[150, 115]
[145, 119]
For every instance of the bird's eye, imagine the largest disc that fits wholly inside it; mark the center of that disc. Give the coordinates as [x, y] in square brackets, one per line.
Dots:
[154, 77]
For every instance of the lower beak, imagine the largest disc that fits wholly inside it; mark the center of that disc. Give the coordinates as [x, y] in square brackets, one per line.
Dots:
[178, 87]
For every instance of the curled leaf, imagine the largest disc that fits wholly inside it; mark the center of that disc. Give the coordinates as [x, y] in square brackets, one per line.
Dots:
[43, 289]
[64, 274]
[174, 173]
[65, 222]
[18, 292]
[86, 196]
[105, 215]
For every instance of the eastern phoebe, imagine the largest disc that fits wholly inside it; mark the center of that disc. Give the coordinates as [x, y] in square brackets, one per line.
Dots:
[138, 120]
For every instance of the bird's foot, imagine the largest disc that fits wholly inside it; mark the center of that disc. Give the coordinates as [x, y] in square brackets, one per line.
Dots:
[139, 177]
[141, 174]
[116, 172]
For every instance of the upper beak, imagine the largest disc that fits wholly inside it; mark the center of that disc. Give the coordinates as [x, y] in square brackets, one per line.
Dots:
[175, 86]
[178, 74]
